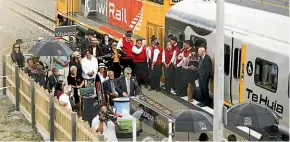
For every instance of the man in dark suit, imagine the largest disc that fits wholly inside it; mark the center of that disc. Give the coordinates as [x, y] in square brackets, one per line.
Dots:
[205, 73]
[109, 87]
[127, 85]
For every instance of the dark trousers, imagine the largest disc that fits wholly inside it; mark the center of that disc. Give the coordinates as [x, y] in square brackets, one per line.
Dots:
[142, 74]
[116, 68]
[155, 77]
[178, 80]
[169, 79]
[128, 63]
[204, 92]
[76, 96]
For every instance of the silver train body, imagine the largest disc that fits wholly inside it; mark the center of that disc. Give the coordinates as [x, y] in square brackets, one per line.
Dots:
[256, 51]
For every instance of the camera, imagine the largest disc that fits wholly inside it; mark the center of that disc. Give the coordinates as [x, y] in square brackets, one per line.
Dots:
[109, 115]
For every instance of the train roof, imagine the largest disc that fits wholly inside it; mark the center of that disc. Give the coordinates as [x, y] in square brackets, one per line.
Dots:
[203, 13]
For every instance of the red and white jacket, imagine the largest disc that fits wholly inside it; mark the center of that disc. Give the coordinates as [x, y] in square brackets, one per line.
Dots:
[140, 54]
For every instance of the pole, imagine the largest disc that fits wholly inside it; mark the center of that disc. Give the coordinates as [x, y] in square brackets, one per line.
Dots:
[4, 74]
[170, 131]
[17, 87]
[219, 73]
[32, 96]
[73, 126]
[51, 116]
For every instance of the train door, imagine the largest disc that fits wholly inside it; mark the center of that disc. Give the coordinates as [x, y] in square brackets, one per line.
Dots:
[149, 33]
[235, 70]
[227, 68]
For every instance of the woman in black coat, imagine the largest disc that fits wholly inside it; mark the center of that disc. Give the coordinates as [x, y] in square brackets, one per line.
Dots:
[17, 56]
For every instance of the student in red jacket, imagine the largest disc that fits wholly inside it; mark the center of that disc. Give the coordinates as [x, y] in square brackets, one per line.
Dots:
[125, 44]
[140, 60]
[156, 69]
[168, 60]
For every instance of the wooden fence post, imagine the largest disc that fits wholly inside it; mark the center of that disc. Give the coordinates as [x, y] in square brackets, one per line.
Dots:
[4, 73]
[73, 126]
[32, 97]
[17, 87]
[51, 116]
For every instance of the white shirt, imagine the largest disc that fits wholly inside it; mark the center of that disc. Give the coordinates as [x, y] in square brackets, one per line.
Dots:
[172, 58]
[89, 66]
[128, 86]
[137, 50]
[102, 77]
[148, 53]
[64, 99]
[109, 129]
[94, 51]
[120, 44]
[155, 55]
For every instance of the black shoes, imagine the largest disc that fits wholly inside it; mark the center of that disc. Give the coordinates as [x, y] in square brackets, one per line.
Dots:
[201, 104]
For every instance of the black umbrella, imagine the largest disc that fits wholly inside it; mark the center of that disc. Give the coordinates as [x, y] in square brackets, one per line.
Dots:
[192, 121]
[252, 115]
[51, 47]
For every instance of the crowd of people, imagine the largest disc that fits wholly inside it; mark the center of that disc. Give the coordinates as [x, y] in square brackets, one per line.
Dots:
[185, 68]
[118, 69]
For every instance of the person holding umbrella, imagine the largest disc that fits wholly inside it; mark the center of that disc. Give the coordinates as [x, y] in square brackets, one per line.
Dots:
[193, 121]
[90, 69]
[252, 115]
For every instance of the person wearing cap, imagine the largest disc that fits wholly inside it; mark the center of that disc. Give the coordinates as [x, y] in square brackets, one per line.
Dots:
[102, 73]
[97, 50]
[126, 44]
[76, 61]
[203, 137]
[89, 68]
[86, 43]
[101, 77]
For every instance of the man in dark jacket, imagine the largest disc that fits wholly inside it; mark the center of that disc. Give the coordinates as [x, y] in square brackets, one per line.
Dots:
[205, 73]
[53, 79]
[127, 85]
[86, 43]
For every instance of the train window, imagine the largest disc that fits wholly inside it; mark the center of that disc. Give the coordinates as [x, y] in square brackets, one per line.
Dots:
[174, 32]
[237, 57]
[227, 57]
[157, 1]
[266, 74]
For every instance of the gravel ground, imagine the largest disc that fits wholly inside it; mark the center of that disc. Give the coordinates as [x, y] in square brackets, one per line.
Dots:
[46, 7]
[13, 125]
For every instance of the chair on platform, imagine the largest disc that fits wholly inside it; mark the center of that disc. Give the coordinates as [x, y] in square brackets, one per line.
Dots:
[88, 108]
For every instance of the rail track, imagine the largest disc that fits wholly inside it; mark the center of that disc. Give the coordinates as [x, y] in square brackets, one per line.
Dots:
[31, 15]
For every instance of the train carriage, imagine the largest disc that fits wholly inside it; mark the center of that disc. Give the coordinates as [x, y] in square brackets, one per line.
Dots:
[256, 51]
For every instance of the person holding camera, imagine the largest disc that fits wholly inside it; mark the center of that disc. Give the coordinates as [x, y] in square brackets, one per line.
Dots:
[105, 123]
